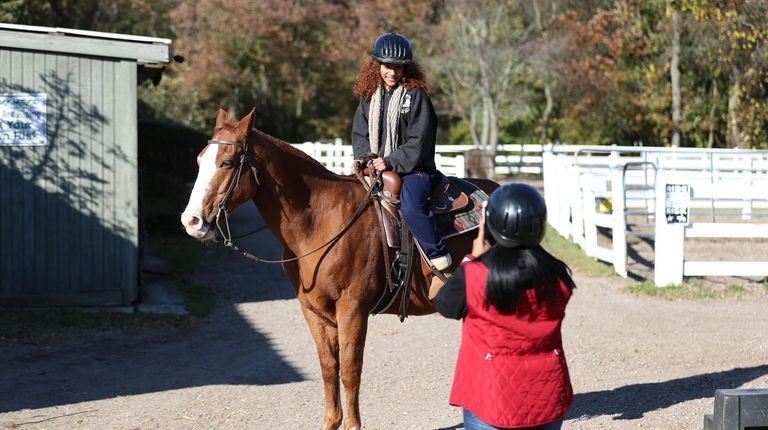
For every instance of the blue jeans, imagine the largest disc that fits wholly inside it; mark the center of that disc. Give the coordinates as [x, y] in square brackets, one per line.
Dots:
[471, 422]
[417, 213]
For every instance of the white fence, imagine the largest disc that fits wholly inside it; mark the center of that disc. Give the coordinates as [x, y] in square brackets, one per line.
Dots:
[334, 155]
[510, 159]
[588, 188]
[630, 182]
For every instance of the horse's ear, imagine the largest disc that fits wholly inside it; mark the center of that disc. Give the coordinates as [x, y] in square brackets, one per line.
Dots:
[246, 124]
[221, 118]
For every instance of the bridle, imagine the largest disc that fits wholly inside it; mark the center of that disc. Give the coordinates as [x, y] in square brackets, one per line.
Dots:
[244, 159]
[226, 234]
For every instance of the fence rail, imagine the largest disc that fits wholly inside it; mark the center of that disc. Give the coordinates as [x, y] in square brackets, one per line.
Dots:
[450, 159]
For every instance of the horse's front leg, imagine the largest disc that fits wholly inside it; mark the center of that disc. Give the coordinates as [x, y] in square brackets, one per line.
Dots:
[353, 325]
[327, 342]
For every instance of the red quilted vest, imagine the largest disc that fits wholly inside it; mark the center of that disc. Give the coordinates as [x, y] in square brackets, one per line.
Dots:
[511, 369]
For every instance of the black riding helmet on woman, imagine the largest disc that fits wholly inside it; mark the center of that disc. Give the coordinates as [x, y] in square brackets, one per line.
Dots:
[392, 48]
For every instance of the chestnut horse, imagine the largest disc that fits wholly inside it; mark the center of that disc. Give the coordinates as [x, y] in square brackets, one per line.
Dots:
[305, 206]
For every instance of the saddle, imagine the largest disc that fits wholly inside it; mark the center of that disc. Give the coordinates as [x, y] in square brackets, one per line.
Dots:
[445, 199]
[448, 201]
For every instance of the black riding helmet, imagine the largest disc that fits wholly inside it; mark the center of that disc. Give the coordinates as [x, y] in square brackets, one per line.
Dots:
[516, 215]
[392, 48]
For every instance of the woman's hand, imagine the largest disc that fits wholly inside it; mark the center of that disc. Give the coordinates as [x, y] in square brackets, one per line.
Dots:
[357, 166]
[378, 164]
[480, 245]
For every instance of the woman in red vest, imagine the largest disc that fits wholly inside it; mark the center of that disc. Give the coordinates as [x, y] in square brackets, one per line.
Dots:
[511, 370]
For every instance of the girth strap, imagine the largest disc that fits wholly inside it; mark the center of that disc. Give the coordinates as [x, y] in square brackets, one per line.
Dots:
[384, 248]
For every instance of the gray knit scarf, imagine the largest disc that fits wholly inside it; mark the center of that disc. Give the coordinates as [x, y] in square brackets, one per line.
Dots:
[393, 114]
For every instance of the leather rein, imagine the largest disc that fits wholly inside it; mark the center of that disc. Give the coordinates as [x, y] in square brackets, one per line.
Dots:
[226, 233]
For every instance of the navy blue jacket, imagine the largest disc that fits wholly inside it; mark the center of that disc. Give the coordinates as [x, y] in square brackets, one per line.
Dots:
[417, 130]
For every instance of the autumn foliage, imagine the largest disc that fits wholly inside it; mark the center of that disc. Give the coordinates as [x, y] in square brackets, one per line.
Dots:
[513, 71]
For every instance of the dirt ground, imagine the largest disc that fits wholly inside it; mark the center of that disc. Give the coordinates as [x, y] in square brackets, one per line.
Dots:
[636, 362]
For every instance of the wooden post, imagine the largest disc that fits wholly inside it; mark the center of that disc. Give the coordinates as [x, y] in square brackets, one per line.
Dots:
[479, 163]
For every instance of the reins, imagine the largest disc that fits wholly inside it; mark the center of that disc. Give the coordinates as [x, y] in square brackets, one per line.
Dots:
[227, 236]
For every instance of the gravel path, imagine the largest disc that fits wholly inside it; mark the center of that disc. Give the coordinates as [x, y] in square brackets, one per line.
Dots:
[636, 362]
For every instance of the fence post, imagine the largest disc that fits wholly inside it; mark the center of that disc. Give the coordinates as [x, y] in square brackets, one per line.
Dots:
[552, 189]
[562, 185]
[588, 214]
[746, 212]
[461, 166]
[668, 245]
[576, 230]
[619, 231]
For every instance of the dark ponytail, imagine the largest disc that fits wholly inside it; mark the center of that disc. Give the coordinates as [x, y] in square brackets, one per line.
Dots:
[513, 270]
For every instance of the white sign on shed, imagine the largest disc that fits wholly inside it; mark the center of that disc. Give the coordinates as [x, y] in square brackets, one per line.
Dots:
[23, 119]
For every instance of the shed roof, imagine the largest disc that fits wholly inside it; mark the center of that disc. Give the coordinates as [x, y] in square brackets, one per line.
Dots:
[143, 49]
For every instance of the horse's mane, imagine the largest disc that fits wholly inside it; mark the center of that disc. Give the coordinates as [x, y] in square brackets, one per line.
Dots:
[313, 166]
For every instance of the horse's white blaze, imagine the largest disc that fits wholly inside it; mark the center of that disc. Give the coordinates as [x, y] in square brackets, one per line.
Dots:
[192, 217]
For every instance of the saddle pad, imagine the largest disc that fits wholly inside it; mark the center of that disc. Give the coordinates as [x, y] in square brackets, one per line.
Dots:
[468, 218]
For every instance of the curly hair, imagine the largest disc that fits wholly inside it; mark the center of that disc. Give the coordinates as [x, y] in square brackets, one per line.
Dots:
[369, 79]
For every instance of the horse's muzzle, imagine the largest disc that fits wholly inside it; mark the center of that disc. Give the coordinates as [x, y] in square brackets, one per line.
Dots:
[196, 227]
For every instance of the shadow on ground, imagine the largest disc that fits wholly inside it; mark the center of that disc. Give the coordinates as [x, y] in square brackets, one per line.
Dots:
[633, 401]
[224, 349]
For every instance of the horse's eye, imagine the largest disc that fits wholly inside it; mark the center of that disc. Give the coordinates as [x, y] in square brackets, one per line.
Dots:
[227, 164]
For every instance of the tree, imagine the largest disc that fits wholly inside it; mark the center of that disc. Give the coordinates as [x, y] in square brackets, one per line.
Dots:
[740, 29]
[546, 57]
[674, 72]
[143, 17]
[274, 55]
[295, 61]
[482, 73]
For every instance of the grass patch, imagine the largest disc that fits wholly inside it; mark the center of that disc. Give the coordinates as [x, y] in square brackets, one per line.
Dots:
[574, 256]
[691, 290]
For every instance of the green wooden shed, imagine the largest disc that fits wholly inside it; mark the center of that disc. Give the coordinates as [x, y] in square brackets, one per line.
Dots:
[69, 223]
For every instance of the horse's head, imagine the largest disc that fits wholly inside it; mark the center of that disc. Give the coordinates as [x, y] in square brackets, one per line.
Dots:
[226, 177]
